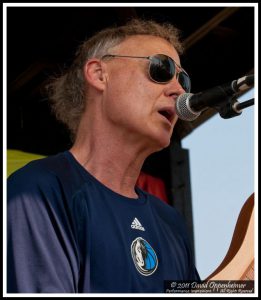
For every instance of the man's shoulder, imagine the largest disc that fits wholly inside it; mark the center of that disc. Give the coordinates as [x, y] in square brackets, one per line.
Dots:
[39, 169]
[53, 172]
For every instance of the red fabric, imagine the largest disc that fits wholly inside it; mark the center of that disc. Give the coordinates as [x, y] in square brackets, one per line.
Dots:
[153, 185]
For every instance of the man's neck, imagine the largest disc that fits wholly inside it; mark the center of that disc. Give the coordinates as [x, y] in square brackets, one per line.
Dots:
[111, 161]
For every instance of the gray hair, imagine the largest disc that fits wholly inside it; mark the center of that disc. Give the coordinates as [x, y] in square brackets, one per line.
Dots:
[68, 93]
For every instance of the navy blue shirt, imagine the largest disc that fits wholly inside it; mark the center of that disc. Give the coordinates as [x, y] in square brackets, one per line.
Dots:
[69, 233]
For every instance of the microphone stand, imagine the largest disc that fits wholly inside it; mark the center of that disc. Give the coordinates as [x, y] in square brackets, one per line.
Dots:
[245, 104]
[233, 108]
[230, 107]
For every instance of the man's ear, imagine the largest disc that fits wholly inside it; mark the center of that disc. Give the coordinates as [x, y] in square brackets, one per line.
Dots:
[95, 73]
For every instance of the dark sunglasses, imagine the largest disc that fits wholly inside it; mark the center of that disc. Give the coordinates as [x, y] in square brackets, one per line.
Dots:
[162, 69]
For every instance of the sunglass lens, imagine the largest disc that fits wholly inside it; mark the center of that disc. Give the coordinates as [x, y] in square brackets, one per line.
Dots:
[184, 81]
[162, 68]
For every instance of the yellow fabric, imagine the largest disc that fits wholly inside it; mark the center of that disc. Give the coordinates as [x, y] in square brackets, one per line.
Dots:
[17, 159]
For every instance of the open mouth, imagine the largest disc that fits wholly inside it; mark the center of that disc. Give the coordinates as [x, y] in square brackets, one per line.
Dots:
[168, 114]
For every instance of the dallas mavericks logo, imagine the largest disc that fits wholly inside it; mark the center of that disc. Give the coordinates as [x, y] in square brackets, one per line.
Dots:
[144, 257]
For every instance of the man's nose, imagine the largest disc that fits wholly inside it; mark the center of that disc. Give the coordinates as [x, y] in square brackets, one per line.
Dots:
[174, 87]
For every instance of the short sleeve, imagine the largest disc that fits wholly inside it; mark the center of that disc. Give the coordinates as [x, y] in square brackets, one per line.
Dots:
[41, 247]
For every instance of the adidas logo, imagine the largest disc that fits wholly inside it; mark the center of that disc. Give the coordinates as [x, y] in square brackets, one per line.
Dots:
[137, 225]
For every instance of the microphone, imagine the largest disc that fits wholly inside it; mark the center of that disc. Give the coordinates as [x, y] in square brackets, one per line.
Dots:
[189, 106]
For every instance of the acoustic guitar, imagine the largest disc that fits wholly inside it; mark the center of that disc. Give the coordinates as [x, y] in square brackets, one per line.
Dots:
[238, 263]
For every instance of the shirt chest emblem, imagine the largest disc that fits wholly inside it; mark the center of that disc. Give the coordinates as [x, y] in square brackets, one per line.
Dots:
[137, 225]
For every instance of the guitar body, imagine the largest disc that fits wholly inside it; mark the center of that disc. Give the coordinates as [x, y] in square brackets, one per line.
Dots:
[238, 263]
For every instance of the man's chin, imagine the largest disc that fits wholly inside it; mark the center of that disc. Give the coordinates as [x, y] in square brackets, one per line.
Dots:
[161, 143]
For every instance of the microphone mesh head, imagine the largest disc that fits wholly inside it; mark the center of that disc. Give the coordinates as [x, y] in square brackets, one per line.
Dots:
[183, 108]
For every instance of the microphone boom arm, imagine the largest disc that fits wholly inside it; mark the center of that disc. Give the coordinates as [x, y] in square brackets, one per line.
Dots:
[233, 108]
[245, 104]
